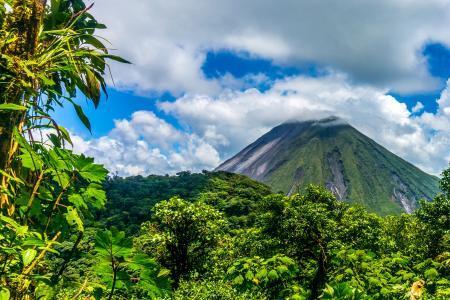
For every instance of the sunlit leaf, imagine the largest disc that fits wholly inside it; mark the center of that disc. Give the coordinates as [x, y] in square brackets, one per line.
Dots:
[93, 172]
[73, 218]
[117, 58]
[84, 119]
[4, 293]
[28, 256]
[31, 160]
[11, 106]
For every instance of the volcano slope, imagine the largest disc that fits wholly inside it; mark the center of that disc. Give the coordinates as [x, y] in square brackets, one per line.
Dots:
[332, 153]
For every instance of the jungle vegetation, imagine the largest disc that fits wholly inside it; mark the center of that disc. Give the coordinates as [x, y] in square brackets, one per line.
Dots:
[68, 231]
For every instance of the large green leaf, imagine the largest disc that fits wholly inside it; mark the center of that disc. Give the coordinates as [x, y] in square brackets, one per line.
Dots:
[65, 134]
[11, 106]
[28, 256]
[117, 58]
[84, 119]
[4, 293]
[93, 172]
[142, 261]
[114, 242]
[103, 240]
[77, 200]
[73, 218]
[31, 160]
[96, 195]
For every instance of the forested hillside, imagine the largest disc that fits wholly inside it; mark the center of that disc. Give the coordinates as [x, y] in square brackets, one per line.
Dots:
[130, 200]
[230, 238]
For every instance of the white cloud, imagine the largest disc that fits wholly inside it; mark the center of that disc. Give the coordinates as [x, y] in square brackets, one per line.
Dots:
[214, 128]
[376, 42]
[241, 117]
[147, 144]
[146, 125]
[418, 107]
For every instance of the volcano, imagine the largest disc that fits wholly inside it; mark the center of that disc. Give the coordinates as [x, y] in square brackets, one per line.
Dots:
[332, 153]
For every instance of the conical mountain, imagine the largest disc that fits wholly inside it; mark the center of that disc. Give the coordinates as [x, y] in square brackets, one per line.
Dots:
[330, 152]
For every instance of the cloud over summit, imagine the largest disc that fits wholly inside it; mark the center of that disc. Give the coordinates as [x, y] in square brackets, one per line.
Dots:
[216, 127]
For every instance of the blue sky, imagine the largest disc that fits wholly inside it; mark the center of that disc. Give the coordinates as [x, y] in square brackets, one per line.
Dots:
[438, 61]
[121, 104]
[209, 77]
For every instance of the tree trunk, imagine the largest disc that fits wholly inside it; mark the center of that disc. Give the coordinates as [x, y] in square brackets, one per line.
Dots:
[179, 253]
[67, 259]
[113, 284]
[24, 21]
[320, 278]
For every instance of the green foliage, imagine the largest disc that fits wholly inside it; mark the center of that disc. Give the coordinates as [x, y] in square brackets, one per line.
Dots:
[67, 182]
[445, 183]
[181, 235]
[435, 216]
[48, 52]
[305, 246]
[19, 252]
[388, 277]
[342, 291]
[122, 269]
[131, 199]
[235, 195]
[336, 251]
[360, 229]
[274, 276]
[206, 290]
[405, 234]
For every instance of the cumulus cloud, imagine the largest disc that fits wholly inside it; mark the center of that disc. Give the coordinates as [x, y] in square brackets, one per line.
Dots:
[375, 42]
[241, 117]
[216, 127]
[418, 107]
[146, 144]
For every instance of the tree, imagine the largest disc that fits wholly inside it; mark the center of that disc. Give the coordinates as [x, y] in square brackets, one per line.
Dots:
[181, 235]
[20, 40]
[405, 234]
[359, 229]
[309, 224]
[310, 227]
[305, 226]
[435, 216]
[445, 182]
[48, 52]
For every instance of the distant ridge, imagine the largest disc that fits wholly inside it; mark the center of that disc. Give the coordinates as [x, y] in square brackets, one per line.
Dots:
[331, 152]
